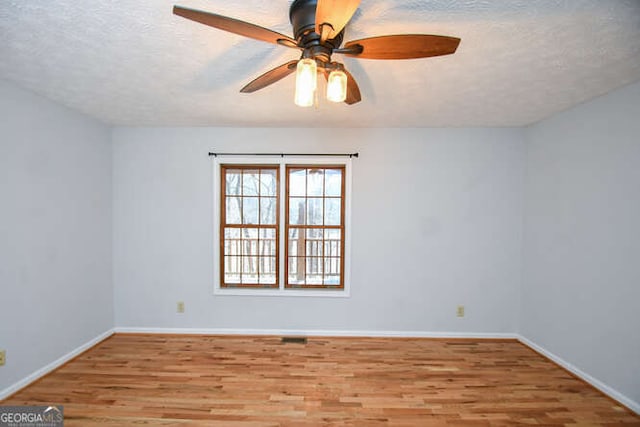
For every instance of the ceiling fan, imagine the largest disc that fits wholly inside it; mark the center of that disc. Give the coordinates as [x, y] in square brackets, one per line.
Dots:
[318, 28]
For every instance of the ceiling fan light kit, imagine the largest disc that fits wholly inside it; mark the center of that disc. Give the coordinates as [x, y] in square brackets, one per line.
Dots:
[337, 86]
[318, 28]
[306, 82]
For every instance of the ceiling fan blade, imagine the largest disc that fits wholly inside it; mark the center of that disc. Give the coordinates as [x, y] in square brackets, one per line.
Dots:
[353, 91]
[270, 77]
[234, 26]
[404, 46]
[335, 13]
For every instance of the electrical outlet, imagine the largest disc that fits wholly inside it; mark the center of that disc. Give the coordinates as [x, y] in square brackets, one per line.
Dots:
[460, 311]
[180, 307]
[3, 357]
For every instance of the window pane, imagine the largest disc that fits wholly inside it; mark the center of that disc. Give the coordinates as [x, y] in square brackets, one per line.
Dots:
[232, 242]
[315, 182]
[332, 211]
[232, 247]
[268, 210]
[332, 243]
[332, 248]
[249, 210]
[233, 182]
[314, 270]
[332, 271]
[332, 234]
[233, 207]
[249, 233]
[314, 233]
[267, 233]
[268, 182]
[249, 242]
[332, 280]
[313, 244]
[314, 211]
[297, 209]
[231, 269]
[297, 182]
[267, 270]
[231, 233]
[267, 242]
[249, 269]
[296, 242]
[250, 245]
[333, 182]
[296, 270]
[251, 183]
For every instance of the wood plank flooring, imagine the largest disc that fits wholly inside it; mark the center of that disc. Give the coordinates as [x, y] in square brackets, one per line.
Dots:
[167, 380]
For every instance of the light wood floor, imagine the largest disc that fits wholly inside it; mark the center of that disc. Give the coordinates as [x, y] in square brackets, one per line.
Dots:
[258, 381]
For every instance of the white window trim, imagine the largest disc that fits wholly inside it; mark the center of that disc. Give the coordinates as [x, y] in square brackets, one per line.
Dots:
[282, 162]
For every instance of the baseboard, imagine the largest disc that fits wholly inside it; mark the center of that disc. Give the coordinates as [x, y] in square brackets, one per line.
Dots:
[316, 333]
[53, 365]
[609, 391]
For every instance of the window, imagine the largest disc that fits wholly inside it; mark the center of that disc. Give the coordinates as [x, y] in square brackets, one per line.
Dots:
[281, 226]
[249, 226]
[315, 226]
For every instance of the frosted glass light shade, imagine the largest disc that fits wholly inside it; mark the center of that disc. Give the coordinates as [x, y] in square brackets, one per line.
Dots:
[337, 86]
[306, 82]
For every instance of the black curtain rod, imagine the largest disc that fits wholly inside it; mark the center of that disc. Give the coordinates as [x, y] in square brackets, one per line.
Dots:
[288, 154]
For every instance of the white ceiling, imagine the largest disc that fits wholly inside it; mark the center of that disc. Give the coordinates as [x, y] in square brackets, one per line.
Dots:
[132, 62]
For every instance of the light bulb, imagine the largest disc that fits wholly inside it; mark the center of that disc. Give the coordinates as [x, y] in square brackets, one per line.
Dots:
[306, 82]
[337, 86]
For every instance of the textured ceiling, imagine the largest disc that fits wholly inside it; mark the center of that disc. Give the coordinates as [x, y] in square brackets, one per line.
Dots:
[132, 62]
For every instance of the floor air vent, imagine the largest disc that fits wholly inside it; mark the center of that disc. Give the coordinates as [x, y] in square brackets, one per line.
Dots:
[293, 340]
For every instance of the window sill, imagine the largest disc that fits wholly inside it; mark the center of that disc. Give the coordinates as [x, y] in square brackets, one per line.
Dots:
[329, 293]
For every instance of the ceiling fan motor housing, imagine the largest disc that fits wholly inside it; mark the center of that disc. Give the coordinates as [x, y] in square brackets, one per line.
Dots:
[302, 15]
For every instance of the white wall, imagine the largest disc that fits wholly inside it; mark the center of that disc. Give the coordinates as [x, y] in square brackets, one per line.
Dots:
[582, 238]
[56, 291]
[436, 222]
